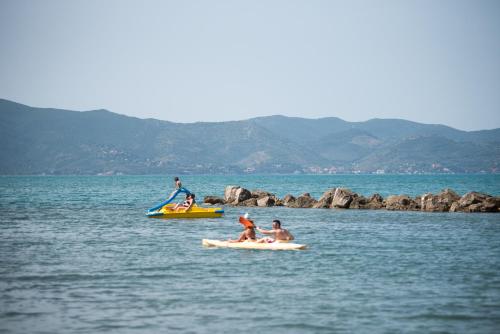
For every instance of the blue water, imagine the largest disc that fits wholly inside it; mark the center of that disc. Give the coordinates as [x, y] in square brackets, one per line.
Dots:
[77, 255]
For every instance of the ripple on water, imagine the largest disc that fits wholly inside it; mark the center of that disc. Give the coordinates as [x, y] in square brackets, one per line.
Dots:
[77, 253]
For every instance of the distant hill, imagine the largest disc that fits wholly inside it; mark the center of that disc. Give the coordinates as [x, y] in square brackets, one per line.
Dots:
[54, 141]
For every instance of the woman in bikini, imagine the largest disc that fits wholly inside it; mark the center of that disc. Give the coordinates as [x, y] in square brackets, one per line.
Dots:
[186, 205]
[249, 233]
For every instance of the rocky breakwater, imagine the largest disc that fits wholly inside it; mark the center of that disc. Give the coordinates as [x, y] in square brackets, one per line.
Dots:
[342, 198]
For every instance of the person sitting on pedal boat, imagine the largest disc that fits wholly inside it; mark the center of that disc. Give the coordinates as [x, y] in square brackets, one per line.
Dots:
[186, 205]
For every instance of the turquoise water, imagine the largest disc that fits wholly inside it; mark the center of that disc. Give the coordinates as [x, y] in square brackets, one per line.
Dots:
[77, 255]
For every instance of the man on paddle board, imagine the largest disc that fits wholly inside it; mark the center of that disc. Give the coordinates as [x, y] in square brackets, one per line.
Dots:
[279, 234]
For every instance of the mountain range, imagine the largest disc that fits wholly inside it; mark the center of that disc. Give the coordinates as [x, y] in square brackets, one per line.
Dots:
[54, 141]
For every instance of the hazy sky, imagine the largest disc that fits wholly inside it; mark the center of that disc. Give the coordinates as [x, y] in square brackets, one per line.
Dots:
[186, 61]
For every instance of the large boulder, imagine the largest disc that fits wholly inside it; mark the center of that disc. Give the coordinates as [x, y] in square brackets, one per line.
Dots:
[213, 200]
[448, 196]
[455, 207]
[234, 195]
[429, 202]
[325, 201]
[342, 198]
[260, 193]
[476, 202]
[375, 202]
[303, 201]
[358, 202]
[441, 202]
[377, 198]
[400, 203]
[249, 202]
[474, 208]
[266, 201]
[491, 204]
[278, 202]
[472, 198]
[289, 200]
[230, 194]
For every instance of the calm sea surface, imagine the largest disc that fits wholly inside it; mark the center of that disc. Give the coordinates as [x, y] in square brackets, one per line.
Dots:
[77, 255]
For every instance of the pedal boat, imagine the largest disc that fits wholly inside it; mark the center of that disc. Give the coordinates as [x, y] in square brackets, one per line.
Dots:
[194, 212]
[164, 209]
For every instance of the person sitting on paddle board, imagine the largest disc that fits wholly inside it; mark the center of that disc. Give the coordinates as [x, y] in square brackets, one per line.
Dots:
[249, 233]
[279, 234]
[186, 205]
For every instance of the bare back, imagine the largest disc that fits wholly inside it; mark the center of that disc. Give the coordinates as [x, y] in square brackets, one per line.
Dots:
[247, 234]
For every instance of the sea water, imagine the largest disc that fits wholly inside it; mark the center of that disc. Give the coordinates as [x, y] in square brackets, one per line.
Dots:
[78, 255]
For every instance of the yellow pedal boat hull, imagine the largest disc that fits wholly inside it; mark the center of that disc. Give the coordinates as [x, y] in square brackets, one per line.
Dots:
[195, 212]
[253, 245]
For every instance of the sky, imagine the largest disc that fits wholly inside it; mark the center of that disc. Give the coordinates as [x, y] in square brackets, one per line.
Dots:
[186, 61]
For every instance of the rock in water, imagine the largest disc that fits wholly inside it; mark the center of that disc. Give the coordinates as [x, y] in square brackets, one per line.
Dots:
[441, 202]
[289, 200]
[234, 195]
[213, 200]
[472, 198]
[375, 202]
[448, 196]
[446, 200]
[377, 198]
[303, 201]
[230, 194]
[342, 198]
[325, 201]
[476, 202]
[428, 202]
[359, 202]
[491, 204]
[249, 202]
[266, 201]
[278, 202]
[260, 193]
[401, 202]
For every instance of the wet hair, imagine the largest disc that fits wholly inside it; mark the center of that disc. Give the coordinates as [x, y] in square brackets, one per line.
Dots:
[176, 178]
[192, 196]
[277, 222]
